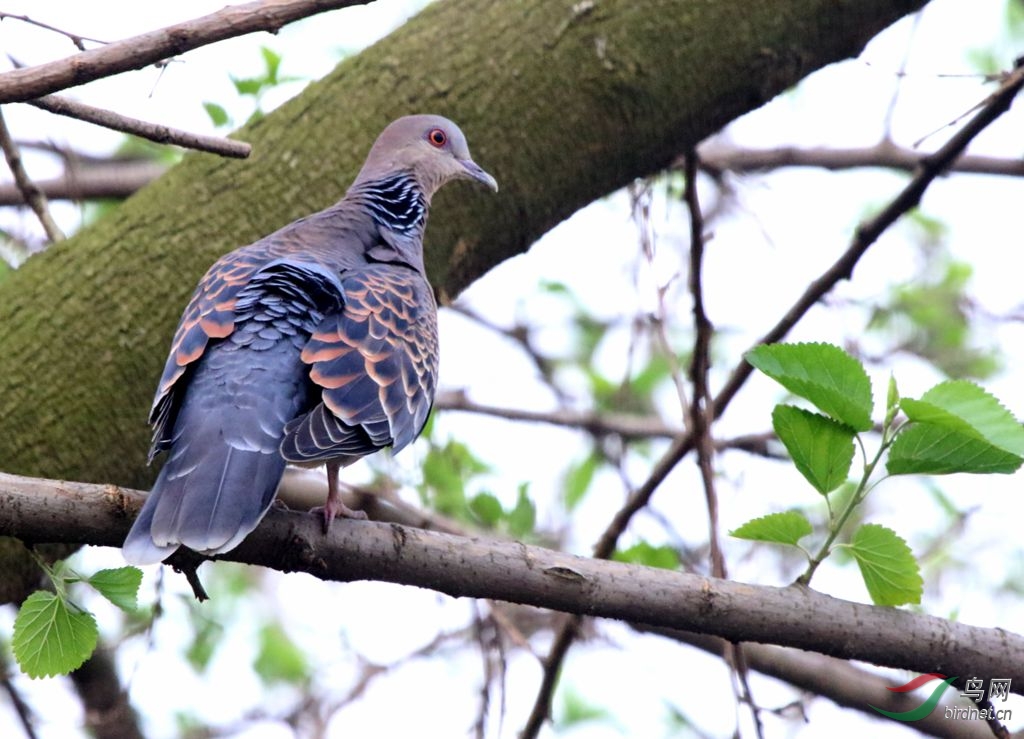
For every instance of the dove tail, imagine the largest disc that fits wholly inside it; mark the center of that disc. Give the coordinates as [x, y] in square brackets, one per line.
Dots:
[224, 463]
[208, 497]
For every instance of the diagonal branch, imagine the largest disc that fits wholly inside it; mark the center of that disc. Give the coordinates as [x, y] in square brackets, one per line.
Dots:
[37, 510]
[21, 85]
[78, 41]
[29, 191]
[155, 132]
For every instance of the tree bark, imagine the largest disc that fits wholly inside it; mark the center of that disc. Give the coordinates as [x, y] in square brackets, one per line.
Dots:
[563, 101]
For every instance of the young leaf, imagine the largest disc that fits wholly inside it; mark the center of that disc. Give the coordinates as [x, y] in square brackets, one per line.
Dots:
[821, 448]
[892, 402]
[487, 508]
[50, 638]
[247, 85]
[928, 448]
[963, 406]
[887, 565]
[522, 518]
[788, 527]
[279, 659]
[824, 374]
[272, 62]
[217, 114]
[644, 553]
[120, 586]
[578, 479]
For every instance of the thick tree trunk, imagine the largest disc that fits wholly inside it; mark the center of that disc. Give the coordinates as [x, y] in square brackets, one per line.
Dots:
[563, 101]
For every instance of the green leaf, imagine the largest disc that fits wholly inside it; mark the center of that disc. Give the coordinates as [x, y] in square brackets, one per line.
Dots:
[887, 565]
[50, 638]
[926, 448]
[120, 586]
[576, 710]
[962, 406]
[578, 479]
[279, 659]
[824, 374]
[644, 553]
[788, 527]
[446, 470]
[821, 448]
[892, 402]
[217, 114]
[272, 62]
[247, 85]
[523, 518]
[487, 509]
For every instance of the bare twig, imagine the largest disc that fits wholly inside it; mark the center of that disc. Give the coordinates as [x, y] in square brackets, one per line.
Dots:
[701, 414]
[718, 156]
[76, 39]
[21, 85]
[701, 410]
[108, 713]
[930, 168]
[152, 131]
[565, 634]
[520, 335]
[21, 707]
[598, 424]
[32, 195]
[115, 179]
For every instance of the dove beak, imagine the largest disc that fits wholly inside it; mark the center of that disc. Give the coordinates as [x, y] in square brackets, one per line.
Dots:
[475, 172]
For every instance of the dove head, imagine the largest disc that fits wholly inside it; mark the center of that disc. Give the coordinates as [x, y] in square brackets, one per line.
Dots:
[431, 148]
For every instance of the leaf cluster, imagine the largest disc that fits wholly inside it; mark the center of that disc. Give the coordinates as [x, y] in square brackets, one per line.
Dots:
[956, 426]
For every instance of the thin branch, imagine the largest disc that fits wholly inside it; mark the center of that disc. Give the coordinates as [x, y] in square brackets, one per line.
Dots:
[116, 179]
[624, 425]
[701, 413]
[108, 713]
[76, 39]
[718, 156]
[520, 335]
[35, 510]
[701, 410]
[21, 707]
[565, 634]
[32, 195]
[598, 424]
[930, 167]
[21, 85]
[155, 132]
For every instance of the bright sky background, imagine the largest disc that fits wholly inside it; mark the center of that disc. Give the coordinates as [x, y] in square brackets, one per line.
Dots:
[788, 227]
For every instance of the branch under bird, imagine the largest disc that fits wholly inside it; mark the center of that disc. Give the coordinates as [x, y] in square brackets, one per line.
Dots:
[314, 345]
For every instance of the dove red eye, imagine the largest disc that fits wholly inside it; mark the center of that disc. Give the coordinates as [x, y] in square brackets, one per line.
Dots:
[437, 137]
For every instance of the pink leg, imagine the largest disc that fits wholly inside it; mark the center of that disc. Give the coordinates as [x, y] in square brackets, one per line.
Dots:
[335, 506]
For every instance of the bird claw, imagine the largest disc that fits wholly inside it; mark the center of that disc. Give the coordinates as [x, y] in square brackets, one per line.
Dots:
[337, 508]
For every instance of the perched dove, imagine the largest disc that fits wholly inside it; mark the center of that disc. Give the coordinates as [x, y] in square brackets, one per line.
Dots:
[315, 345]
